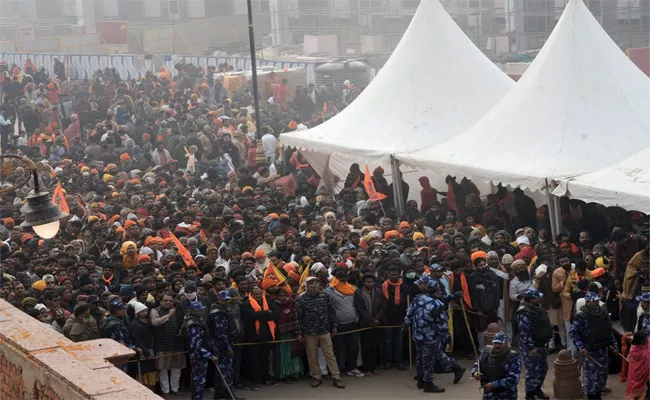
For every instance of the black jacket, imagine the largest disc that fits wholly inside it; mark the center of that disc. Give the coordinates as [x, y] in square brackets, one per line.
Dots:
[250, 316]
[367, 317]
[142, 337]
[395, 312]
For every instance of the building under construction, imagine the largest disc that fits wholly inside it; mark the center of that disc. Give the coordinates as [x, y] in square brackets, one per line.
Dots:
[324, 27]
[499, 26]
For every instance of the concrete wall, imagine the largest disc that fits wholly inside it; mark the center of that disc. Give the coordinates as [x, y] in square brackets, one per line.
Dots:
[36, 362]
[86, 43]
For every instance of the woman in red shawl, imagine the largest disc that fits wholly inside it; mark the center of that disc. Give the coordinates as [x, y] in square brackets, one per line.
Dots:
[639, 369]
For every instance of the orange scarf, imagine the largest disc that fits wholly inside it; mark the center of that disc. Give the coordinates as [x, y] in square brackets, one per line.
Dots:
[463, 285]
[108, 281]
[203, 236]
[130, 262]
[257, 308]
[384, 288]
[345, 289]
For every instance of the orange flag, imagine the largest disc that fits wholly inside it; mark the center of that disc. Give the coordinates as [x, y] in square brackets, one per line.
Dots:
[272, 277]
[58, 198]
[185, 253]
[303, 277]
[370, 187]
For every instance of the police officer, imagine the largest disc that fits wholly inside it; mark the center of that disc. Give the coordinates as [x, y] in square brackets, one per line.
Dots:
[114, 327]
[428, 315]
[535, 331]
[498, 369]
[199, 345]
[592, 334]
[222, 330]
[436, 272]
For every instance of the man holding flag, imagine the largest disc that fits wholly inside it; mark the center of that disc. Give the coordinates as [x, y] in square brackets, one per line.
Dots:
[182, 251]
[369, 185]
[58, 198]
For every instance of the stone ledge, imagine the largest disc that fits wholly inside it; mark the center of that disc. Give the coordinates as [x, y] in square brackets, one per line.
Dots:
[50, 361]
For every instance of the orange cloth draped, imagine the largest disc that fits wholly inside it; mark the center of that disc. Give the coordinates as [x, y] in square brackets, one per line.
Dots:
[464, 286]
[257, 308]
[345, 289]
[397, 285]
[625, 349]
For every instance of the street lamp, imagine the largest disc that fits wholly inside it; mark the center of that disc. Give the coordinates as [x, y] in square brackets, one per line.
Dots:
[40, 213]
[256, 94]
[260, 157]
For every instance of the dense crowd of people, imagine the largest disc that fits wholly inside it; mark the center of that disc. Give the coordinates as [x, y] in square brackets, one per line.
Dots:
[236, 268]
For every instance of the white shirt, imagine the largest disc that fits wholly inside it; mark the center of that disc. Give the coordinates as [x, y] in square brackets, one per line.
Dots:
[269, 142]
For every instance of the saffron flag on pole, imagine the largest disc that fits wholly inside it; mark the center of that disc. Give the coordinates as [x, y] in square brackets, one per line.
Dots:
[370, 187]
[272, 277]
[185, 254]
[58, 198]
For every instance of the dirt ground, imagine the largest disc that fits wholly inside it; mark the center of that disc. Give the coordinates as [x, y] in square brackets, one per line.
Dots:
[399, 385]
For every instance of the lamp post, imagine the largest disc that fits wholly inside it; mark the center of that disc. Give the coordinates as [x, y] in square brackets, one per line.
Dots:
[256, 93]
[40, 213]
[259, 152]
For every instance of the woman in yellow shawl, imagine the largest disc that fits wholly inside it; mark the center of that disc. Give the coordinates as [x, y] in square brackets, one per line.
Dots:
[637, 271]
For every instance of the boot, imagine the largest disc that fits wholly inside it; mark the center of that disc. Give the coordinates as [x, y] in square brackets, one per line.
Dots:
[429, 387]
[458, 373]
[420, 383]
[530, 396]
[540, 395]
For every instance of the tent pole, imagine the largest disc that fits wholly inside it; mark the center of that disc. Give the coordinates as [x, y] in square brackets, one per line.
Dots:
[558, 210]
[398, 196]
[552, 211]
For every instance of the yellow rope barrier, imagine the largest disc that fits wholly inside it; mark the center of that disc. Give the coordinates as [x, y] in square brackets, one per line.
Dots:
[270, 342]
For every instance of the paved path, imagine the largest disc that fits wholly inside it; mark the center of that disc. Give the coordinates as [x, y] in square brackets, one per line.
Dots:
[396, 385]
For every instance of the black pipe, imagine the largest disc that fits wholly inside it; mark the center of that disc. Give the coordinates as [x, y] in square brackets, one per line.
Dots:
[256, 94]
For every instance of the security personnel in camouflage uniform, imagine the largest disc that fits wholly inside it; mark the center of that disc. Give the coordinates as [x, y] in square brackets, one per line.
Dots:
[535, 331]
[592, 334]
[428, 315]
[199, 347]
[498, 369]
[222, 330]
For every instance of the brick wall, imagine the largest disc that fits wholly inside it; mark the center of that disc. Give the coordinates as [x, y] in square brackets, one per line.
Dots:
[11, 376]
[38, 363]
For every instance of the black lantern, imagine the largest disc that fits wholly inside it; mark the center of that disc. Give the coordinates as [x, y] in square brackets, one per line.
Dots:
[40, 213]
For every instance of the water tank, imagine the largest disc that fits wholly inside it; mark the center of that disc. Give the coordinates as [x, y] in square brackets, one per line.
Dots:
[337, 71]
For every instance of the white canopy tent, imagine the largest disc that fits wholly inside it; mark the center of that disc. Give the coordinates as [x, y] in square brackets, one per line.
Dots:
[435, 84]
[581, 105]
[625, 184]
